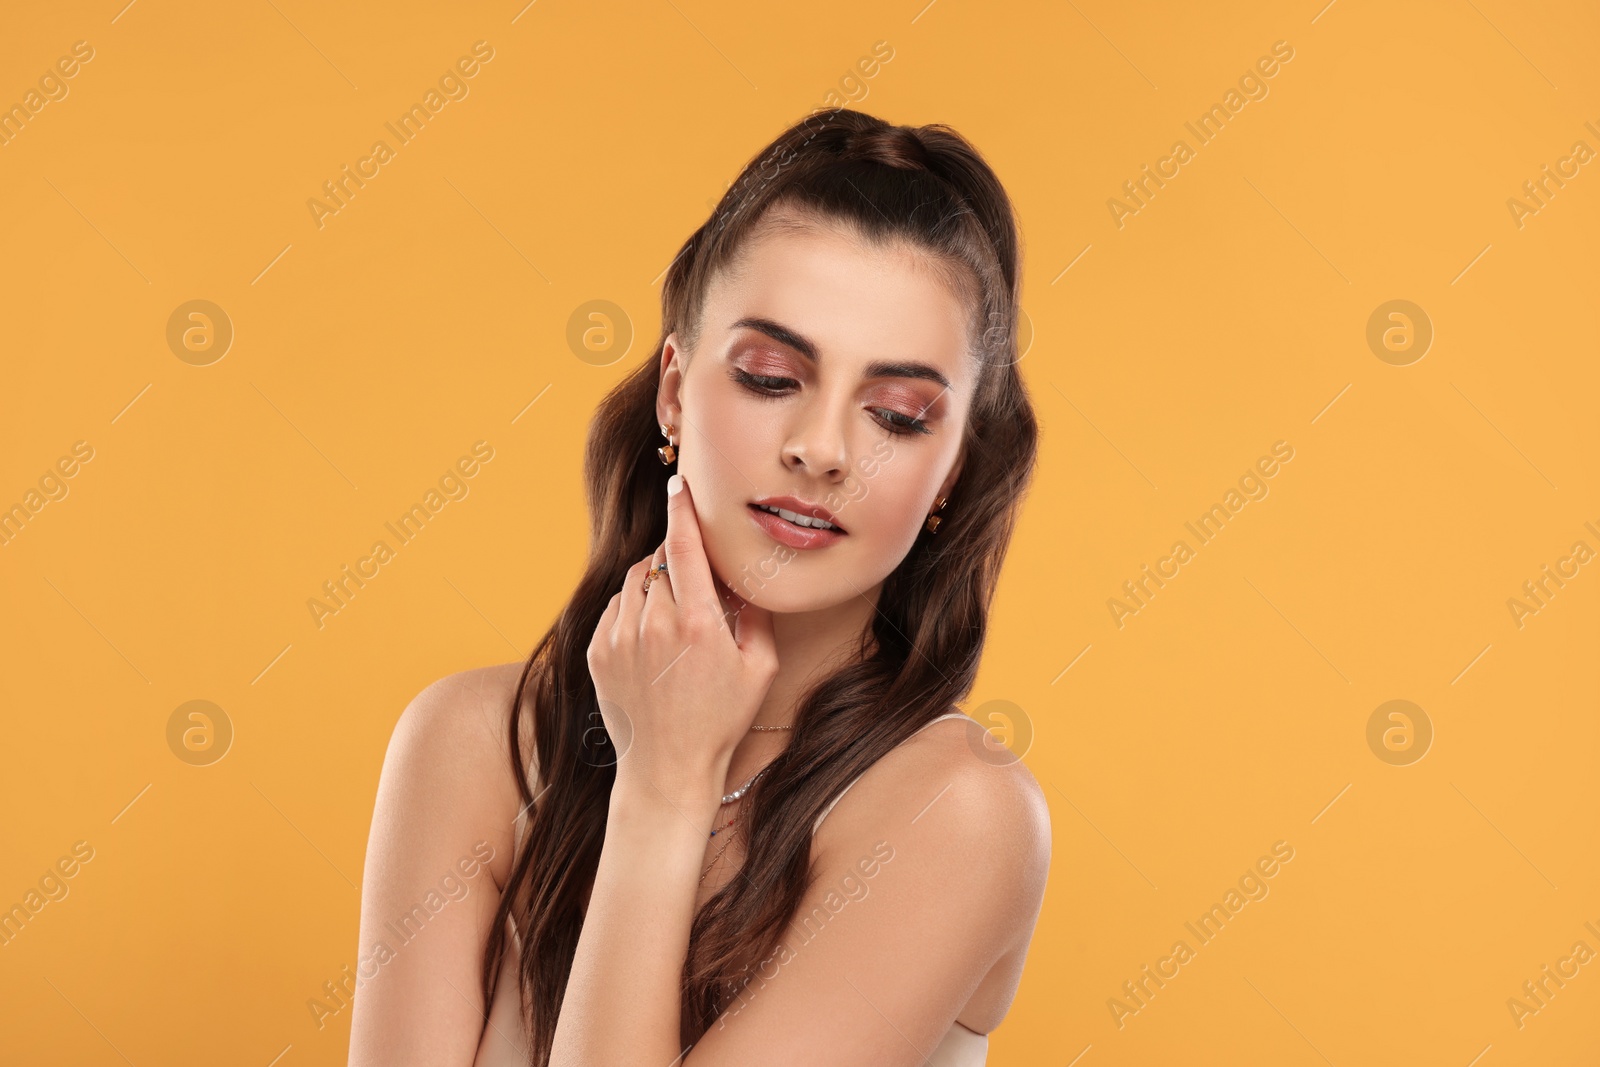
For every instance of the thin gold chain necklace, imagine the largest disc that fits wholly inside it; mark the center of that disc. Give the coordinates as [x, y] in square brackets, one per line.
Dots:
[729, 798]
[720, 851]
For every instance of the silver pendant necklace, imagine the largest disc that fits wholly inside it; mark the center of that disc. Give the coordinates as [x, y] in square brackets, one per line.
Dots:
[737, 793]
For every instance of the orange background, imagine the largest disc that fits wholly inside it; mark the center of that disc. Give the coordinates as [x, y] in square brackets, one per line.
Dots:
[1229, 313]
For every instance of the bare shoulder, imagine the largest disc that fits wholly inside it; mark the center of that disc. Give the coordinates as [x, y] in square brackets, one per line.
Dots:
[995, 796]
[945, 844]
[438, 853]
[969, 804]
[451, 747]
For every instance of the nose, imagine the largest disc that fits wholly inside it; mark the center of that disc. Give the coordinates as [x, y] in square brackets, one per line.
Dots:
[817, 444]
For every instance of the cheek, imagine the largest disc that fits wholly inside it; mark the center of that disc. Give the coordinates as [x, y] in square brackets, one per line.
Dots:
[886, 503]
[733, 432]
[721, 466]
[896, 514]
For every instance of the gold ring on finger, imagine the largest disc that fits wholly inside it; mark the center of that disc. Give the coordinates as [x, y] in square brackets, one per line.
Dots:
[652, 574]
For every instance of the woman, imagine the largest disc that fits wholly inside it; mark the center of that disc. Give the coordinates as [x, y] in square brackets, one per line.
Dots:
[785, 599]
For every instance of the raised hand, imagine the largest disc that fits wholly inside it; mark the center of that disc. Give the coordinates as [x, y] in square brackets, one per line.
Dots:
[681, 670]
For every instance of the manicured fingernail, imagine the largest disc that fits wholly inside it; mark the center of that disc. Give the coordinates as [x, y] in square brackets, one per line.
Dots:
[674, 484]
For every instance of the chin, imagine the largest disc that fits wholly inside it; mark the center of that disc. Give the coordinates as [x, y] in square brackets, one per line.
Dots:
[805, 584]
[783, 598]
[781, 602]
[779, 581]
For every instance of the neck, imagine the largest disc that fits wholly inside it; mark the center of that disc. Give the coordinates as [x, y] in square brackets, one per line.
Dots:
[810, 645]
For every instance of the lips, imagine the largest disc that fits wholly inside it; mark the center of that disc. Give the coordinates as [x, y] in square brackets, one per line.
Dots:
[794, 534]
[800, 507]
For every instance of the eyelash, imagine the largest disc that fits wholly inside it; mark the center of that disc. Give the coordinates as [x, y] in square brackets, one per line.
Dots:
[762, 384]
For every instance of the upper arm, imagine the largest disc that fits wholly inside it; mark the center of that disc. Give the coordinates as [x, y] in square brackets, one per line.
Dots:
[441, 827]
[934, 871]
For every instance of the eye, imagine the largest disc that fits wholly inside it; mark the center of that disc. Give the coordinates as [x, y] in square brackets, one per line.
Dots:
[898, 423]
[773, 388]
[761, 384]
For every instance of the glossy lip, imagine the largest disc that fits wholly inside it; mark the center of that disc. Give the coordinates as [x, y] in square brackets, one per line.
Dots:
[787, 533]
[800, 507]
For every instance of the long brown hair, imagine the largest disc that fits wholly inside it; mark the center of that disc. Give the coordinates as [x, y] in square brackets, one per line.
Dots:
[925, 186]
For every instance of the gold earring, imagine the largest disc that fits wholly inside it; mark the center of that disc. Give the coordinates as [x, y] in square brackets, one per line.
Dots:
[666, 451]
[933, 519]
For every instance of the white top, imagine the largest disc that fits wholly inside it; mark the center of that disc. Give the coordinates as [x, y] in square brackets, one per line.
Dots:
[505, 1040]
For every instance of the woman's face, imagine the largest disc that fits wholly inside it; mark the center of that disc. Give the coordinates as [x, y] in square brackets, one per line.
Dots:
[833, 373]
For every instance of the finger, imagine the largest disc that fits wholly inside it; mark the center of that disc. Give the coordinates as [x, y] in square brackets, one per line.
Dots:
[633, 596]
[608, 620]
[686, 554]
[660, 597]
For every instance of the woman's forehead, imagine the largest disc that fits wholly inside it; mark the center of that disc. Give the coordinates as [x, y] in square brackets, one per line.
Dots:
[851, 299]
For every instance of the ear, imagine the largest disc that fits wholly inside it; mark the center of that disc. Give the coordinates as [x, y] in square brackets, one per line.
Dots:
[669, 396]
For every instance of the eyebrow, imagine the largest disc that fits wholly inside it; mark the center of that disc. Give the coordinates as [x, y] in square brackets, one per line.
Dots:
[876, 369]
